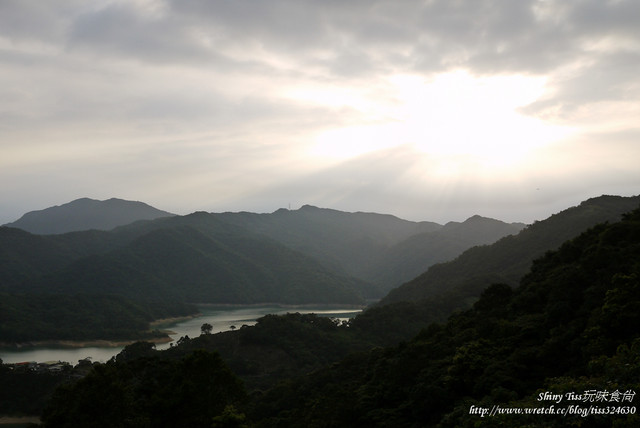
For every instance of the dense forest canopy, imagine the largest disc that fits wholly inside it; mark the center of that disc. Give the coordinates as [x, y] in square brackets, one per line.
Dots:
[572, 325]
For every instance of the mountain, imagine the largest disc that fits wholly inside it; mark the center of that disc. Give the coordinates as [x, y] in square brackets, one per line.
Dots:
[25, 256]
[346, 241]
[507, 260]
[157, 268]
[414, 255]
[86, 214]
[179, 261]
[380, 249]
[571, 328]
[377, 248]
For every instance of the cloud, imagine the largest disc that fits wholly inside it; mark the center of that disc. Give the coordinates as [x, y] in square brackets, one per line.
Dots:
[228, 99]
[347, 39]
[342, 39]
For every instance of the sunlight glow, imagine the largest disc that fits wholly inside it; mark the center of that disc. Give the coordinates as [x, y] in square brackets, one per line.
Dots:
[453, 115]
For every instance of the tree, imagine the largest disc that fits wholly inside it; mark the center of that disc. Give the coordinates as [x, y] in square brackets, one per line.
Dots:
[230, 418]
[206, 328]
[136, 350]
[151, 392]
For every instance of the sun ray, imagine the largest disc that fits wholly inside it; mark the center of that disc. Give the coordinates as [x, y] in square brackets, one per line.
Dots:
[452, 115]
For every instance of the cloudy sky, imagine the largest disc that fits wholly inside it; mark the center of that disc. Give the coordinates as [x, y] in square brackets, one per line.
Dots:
[428, 110]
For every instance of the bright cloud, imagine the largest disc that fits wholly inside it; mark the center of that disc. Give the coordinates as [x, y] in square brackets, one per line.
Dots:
[449, 116]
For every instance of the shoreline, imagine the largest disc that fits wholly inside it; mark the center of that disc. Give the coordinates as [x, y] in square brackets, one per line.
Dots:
[106, 343]
[75, 344]
[162, 321]
[283, 305]
[11, 420]
[101, 343]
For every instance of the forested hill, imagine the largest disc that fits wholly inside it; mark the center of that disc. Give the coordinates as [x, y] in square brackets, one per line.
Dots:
[86, 214]
[507, 260]
[377, 248]
[155, 269]
[572, 326]
[195, 258]
[413, 256]
[344, 241]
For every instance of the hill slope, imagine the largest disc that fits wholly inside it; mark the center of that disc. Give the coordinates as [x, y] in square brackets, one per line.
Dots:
[181, 263]
[156, 268]
[381, 249]
[508, 259]
[86, 214]
[342, 240]
[413, 256]
[572, 326]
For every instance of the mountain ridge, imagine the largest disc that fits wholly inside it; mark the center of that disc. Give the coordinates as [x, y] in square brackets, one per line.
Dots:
[416, 254]
[86, 214]
[162, 265]
[365, 245]
[508, 259]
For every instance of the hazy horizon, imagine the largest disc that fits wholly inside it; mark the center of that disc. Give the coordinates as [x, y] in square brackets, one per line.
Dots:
[442, 221]
[431, 111]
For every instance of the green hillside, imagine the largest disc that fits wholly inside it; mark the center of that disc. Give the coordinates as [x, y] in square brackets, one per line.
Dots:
[571, 327]
[341, 240]
[408, 259]
[158, 267]
[508, 259]
[380, 249]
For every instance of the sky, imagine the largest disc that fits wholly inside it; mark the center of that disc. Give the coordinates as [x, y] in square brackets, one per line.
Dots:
[428, 110]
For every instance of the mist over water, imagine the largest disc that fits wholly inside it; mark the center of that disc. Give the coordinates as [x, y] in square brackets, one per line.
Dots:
[221, 318]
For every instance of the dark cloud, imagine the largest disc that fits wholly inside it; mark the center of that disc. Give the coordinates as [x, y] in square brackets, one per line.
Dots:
[33, 20]
[363, 38]
[487, 36]
[121, 29]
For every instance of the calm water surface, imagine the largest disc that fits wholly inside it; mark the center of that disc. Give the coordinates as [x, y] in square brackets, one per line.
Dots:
[222, 318]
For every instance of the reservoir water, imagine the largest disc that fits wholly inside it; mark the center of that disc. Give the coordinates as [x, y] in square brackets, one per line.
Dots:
[221, 318]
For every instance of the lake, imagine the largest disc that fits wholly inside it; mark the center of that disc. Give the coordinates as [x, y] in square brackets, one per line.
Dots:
[221, 318]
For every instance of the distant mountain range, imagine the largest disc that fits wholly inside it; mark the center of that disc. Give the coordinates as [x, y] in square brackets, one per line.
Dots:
[572, 324]
[381, 249]
[86, 214]
[194, 258]
[156, 268]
